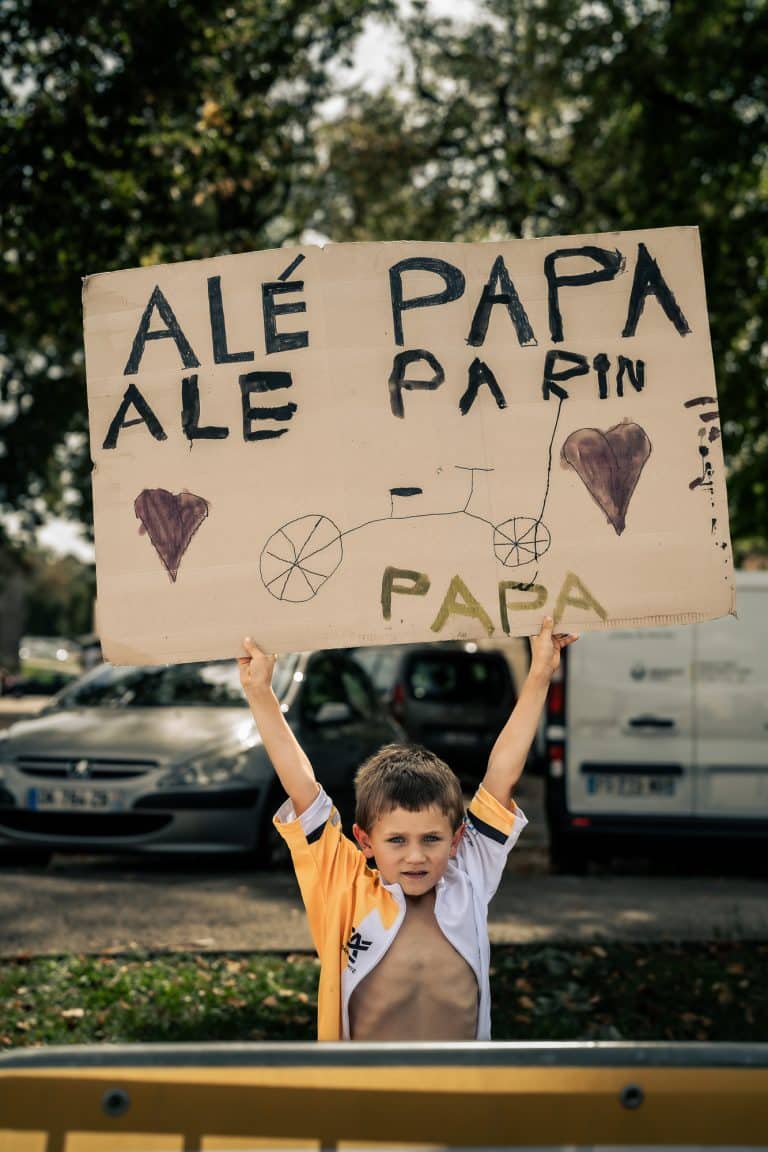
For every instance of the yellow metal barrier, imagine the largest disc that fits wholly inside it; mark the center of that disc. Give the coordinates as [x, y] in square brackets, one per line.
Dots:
[185, 1098]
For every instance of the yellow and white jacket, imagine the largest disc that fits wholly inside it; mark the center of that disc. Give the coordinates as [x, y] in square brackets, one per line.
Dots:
[354, 916]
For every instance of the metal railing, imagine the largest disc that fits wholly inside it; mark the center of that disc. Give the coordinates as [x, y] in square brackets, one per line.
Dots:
[482, 1095]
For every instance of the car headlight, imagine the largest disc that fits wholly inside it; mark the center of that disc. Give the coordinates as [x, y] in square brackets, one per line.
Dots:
[204, 771]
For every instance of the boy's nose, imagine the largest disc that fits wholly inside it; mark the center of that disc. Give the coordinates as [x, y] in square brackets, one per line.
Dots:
[415, 853]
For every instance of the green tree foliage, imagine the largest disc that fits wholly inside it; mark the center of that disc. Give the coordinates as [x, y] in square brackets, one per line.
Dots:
[148, 132]
[544, 117]
[60, 592]
[131, 134]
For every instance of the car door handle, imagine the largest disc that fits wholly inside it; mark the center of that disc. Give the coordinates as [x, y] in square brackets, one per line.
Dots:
[652, 722]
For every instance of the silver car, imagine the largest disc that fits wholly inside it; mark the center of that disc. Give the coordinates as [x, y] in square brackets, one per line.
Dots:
[168, 759]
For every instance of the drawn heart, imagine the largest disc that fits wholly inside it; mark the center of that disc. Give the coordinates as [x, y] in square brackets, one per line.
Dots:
[170, 520]
[609, 463]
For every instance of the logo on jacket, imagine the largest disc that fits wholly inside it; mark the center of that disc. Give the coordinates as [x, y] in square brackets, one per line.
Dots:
[355, 945]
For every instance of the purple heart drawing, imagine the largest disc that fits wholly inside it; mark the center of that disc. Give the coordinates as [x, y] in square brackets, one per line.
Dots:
[170, 520]
[609, 464]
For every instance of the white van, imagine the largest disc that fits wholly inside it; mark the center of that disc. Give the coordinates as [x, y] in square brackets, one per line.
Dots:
[661, 733]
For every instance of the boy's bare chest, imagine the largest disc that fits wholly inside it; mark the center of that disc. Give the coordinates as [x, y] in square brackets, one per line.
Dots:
[420, 989]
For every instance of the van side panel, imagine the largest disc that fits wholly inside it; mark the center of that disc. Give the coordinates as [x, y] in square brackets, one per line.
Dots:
[630, 724]
[731, 732]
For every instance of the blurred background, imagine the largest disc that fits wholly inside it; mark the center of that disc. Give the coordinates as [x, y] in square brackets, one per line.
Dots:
[165, 130]
[170, 130]
[149, 132]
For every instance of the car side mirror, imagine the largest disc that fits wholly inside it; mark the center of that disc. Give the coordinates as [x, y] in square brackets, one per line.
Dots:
[333, 712]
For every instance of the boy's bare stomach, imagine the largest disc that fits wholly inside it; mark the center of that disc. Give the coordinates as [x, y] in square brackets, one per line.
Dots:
[422, 989]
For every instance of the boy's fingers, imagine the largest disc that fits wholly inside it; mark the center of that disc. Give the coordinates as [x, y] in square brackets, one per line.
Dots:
[565, 638]
[547, 625]
[252, 647]
[254, 652]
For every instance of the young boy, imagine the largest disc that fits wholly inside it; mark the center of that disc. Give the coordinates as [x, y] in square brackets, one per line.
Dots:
[403, 945]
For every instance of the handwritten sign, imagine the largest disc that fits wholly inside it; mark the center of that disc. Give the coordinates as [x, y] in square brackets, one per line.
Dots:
[371, 443]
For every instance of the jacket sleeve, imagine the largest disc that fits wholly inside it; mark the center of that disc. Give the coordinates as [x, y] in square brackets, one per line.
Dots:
[490, 833]
[324, 859]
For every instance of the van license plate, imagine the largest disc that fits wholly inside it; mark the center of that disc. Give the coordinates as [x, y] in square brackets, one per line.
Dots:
[75, 799]
[612, 784]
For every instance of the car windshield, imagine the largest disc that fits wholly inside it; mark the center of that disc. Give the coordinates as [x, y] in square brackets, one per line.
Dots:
[215, 684]
[457, 678]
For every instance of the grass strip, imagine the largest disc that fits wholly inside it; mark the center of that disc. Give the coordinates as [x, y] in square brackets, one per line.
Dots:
[714, 991]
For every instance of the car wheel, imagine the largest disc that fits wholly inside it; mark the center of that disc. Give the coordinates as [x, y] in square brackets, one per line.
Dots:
[275, 854]
[26, 857]
[270, 851]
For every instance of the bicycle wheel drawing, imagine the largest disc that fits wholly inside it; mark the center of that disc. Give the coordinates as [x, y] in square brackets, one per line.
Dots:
[520, 540]
[298, 558]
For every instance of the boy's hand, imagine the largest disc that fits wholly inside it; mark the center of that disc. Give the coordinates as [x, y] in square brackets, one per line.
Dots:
[546, 649]
[288, 758]
[255, 669]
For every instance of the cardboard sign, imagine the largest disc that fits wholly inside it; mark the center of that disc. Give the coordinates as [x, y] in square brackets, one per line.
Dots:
[370, 443]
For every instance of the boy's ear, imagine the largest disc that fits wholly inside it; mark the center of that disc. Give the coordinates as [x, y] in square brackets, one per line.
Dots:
[363, 840]
[457, 837]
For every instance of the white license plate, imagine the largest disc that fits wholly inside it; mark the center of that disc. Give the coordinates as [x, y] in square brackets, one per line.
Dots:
[88, 799]
[613, 784]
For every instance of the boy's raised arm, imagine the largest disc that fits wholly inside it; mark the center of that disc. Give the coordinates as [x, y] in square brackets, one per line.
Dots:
[288, 758]
[510, 752]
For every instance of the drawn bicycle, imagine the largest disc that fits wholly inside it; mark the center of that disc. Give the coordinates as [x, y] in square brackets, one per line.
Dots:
[302, 555]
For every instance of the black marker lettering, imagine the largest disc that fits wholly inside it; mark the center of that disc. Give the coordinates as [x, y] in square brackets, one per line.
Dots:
[635, 369]
[601, 364]
[649, 281]
[288, 272]
[264, 382]
[146, 416]
[398, 383]
[172, 331]
[218, 327]
[190, 414]
[452, 277]
[611, 263]
[509, 298]
[550, 386]
[480, 373]
[282, 341]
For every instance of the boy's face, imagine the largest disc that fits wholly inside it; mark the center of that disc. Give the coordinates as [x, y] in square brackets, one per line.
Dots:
[412, 849]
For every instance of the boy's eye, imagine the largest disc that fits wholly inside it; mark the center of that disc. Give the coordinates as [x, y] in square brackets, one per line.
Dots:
[432, 839]
[395, 840]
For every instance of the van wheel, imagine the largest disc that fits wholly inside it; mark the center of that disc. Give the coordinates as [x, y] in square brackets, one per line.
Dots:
[567, 858]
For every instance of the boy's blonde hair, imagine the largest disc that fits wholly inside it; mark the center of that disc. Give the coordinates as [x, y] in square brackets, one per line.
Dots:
[406, 776]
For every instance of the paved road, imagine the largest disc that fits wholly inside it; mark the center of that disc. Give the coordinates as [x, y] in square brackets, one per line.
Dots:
[77, 908]
[87, 904]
